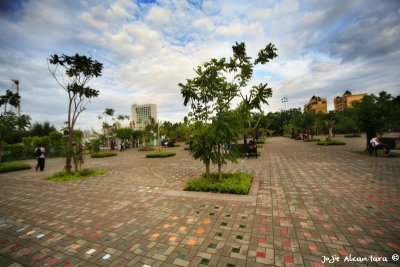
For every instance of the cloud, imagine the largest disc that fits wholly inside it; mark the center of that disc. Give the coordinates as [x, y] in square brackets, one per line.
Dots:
[148, 48]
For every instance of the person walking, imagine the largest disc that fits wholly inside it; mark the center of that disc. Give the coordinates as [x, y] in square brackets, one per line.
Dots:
[40, 153]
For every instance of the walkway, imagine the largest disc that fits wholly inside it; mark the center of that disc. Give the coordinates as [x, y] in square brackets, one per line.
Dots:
[311, 202]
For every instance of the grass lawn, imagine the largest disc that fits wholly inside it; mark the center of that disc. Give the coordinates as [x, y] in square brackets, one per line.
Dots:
[161, 154]
[146, 148]
[64, 177]
[331, 143]
[14, 166]
[233, 183]
[103, 154]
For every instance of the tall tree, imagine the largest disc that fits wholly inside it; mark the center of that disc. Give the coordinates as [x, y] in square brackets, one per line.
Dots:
[42, 129]
[10, 98]
[73, 74]
[210, 97]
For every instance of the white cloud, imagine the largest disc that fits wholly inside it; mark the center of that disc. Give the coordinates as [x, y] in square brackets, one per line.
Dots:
[147, 49]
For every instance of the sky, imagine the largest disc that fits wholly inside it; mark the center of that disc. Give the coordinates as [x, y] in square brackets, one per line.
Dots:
[148, 47]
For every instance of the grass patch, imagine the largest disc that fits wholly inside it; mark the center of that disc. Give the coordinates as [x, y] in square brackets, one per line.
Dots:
[103, 154]
[331, 143]
[352, 135]
[13, 166]
[233, 183]
[161, 154]
[146, 148]
[64, 177]
[312, 140]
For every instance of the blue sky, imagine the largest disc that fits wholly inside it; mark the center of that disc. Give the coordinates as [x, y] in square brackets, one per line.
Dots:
[325, 48]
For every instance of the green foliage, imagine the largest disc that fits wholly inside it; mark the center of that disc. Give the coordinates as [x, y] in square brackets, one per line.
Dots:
[73, 73]
[13, 166]
[330, 143]
[352, 135]
[16, 151]
[146, 148]
[41, 129]
[124, 133]
[71, 176]
[210, 96]
[161, 154]
[103, 154]
[94, 145]
[10, 98]
[234, 183]
[260, 146]
[312, 140]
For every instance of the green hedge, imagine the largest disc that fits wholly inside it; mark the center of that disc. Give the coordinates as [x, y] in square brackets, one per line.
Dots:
[331, 143]
[234, 183]
[13, 166]
[352, 135]
[161, 154]
[103, 154]
[312, 140]
[64, 177]
[146, 148]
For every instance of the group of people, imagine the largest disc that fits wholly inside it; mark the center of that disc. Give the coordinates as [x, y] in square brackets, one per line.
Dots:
[377, 144]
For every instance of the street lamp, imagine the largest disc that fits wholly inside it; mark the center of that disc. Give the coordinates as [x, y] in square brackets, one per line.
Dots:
[284, 101]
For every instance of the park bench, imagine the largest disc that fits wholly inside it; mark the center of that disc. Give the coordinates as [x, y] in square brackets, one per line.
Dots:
[390, 142]
[244, 150]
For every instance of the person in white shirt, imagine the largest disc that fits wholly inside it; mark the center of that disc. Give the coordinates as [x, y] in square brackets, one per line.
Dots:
[40, 153]
[377, 144]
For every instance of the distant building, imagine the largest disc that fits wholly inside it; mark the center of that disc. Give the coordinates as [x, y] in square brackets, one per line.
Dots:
[141, 114]
[345, 101]
[318, 104]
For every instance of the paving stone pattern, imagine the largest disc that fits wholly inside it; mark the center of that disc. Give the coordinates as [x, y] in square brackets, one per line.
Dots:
[311, 202]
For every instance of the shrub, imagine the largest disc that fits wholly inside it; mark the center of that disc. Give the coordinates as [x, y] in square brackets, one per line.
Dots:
[146, 148]
[260, 141]
[352, 135]
[13, 166]
[331, 143]
[234, 183]
[16, 151]
[312, 140]
[161, 154]
[260, 146]
[103, 154]
[64, 176]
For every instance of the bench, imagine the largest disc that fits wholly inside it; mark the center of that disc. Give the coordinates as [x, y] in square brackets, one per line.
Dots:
[390, 142]
[244, 151]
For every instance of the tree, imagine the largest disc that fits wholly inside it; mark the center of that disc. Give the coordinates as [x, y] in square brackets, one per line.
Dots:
[12, 126]
[78, 70]
[10, 98]
[42, 129]
[210, 96]
[375, 114]
[124, 133]
[330, 120]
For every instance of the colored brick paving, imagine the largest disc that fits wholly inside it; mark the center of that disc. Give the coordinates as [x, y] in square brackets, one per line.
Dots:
[310, 202]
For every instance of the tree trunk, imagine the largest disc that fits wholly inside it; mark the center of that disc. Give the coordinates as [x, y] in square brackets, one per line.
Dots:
[207, 169]
[68, 166]
[219, 163]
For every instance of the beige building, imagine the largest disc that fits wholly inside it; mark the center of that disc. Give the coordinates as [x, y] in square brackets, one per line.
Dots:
[345, 101]
[141, 114]
[318, 104]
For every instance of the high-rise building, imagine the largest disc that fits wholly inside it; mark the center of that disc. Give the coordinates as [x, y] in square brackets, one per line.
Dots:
[318, 104]
[346, 100]
[141, 114]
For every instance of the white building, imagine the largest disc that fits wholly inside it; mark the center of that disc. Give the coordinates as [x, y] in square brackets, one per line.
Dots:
[141, 114]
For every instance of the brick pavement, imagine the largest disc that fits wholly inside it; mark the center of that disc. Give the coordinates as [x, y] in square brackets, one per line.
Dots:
[311, 202]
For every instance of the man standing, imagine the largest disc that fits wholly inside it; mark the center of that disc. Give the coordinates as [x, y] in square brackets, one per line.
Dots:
[40, 153]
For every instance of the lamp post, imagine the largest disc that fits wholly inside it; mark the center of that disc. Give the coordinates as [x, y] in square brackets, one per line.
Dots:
[284, 101]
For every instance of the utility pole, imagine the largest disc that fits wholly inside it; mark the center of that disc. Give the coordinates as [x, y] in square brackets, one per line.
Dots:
[284, 101]
[16, 82]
